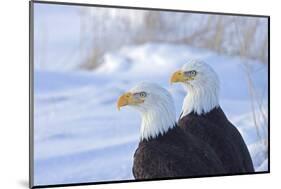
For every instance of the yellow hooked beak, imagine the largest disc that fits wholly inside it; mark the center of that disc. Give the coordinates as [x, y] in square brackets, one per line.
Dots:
[178, 76]
[128, 99]
[124, 100]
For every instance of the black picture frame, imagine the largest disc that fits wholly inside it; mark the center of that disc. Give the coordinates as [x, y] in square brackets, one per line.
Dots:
[31, 89]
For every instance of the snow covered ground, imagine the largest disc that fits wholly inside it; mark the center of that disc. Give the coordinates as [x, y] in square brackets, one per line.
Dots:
[80, 136]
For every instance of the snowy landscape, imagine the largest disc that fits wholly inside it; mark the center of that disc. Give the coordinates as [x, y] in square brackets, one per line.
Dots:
[80, 136]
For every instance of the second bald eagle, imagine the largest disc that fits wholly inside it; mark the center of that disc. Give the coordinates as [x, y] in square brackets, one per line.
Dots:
[203, 117]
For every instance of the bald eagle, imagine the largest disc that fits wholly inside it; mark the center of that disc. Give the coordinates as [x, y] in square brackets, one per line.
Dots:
[203, 117]
[164, 150]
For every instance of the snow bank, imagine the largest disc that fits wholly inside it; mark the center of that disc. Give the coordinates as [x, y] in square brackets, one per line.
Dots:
[81, 137]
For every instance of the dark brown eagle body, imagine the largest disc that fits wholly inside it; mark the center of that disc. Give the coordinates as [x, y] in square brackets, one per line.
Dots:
[215, 129]
[175, 154]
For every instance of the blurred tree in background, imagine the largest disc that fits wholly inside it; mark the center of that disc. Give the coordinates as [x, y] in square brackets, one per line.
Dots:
[110, 29]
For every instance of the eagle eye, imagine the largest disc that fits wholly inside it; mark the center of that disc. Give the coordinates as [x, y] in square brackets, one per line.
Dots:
[142, 94]
[193, 73]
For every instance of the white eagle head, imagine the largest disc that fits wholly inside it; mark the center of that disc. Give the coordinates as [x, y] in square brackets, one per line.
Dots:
[202, 85]
[156, 106]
